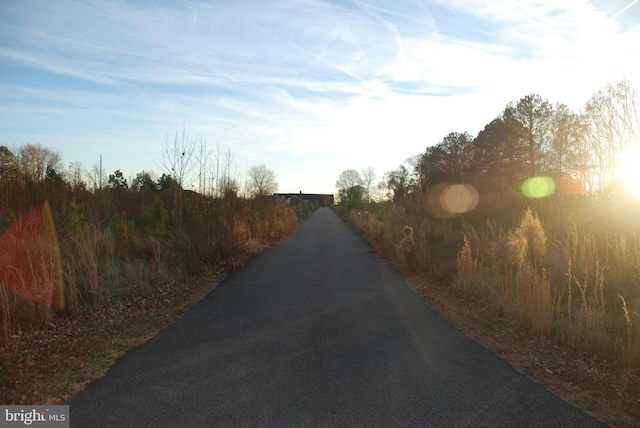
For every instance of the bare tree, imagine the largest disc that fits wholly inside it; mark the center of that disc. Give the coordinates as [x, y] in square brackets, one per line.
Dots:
[380, 191]
[204, 161]
[34, 159]
[76, 175]
[178, 160]
[215, 170]
[261, 181]
[348, 179]
[228, 183]
[565, 135]
[95, 176]
[612, 125]
[368, 176]
[178, 156]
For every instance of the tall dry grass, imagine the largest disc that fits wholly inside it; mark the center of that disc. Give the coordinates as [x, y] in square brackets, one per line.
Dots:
[406, 249]
[7, 310]
[82, 268]
[583, 293]
[467, 267]
[505, 272]
[526, 297]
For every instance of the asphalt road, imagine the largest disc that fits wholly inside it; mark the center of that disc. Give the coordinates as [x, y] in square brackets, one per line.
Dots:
[318, 331]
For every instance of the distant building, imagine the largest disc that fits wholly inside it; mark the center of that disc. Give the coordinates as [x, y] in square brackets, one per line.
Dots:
[321, 200]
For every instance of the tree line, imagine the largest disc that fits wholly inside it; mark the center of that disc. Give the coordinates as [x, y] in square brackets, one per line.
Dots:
[581, 153]
[187, 161]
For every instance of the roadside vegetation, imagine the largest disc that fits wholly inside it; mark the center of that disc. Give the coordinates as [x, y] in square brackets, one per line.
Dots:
[533, 224]
[88, 258]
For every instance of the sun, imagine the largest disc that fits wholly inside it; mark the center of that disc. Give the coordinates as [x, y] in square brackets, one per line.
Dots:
[629, 171]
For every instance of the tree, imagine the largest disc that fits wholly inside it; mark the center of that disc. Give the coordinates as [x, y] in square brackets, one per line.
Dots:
[456, 159]
[351, 197]
[565, 134]
[178, 160]
[8, 165]
[498, 152]
[76, 172]
[95, 176]
[228, 186]
[535, 115]
[368, 176]
[144, 183]
[347, 179]
[431, 168]
[177, 156]
[52, 176]
[612, 125]
[34, 159]
[399, 183]
[117, 181]
[449, 160]
[261, 181]
[166, 182]
[349, 185]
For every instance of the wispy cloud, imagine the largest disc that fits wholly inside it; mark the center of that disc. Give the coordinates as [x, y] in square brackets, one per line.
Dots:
[339, 79]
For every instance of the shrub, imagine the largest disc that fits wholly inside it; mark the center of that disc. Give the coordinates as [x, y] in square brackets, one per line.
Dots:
[406, 250]
[527, 245]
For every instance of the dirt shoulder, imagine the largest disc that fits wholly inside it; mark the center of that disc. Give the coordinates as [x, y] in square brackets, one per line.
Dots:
[601, 388]
[49, 364]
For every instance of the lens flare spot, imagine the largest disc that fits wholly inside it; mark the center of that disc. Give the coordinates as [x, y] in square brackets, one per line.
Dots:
[30, 259]
[446, 199]
[459, 198]
[538, 187]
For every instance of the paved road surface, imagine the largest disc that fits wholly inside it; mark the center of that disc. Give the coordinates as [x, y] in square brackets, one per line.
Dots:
[318, 331]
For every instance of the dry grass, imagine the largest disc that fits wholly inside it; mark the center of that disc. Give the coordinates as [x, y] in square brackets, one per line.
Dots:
[406, 250]
[526, 298]
[509, 280]
[7, 309]
[467, 267]
[520, 275]
[81, 267]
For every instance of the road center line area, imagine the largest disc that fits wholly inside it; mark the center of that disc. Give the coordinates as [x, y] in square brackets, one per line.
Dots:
[317, 331]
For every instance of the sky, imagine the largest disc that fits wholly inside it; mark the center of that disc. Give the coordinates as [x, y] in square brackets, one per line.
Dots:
[309, 88]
